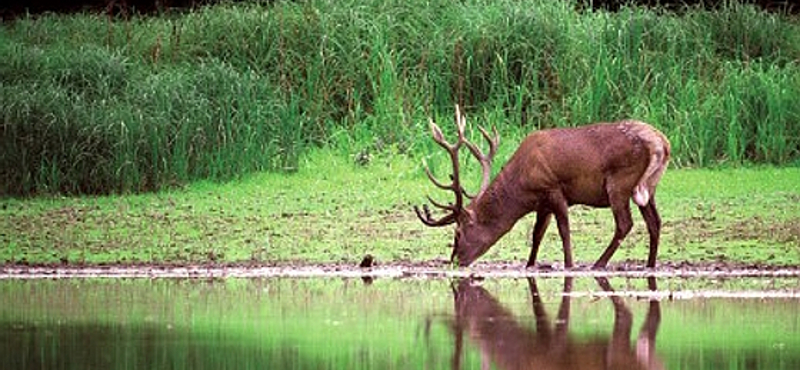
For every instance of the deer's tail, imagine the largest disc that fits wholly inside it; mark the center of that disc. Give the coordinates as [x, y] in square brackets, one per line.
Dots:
[658, 149]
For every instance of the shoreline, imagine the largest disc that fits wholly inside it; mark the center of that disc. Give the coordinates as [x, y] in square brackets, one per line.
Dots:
[394, 270]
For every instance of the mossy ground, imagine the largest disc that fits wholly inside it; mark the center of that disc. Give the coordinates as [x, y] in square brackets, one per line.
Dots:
[334, 211]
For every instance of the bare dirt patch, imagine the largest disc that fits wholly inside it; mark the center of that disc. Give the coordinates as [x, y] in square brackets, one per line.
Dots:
[759, 228]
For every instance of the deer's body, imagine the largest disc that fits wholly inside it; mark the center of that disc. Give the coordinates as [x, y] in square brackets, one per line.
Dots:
[599, 165]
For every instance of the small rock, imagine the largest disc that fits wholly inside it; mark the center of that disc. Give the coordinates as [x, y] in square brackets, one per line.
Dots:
[367, 262]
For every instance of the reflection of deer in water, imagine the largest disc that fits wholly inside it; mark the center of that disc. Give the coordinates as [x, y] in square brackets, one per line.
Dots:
[510, 345]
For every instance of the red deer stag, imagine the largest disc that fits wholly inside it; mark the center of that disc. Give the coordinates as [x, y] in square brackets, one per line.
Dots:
[599, 165]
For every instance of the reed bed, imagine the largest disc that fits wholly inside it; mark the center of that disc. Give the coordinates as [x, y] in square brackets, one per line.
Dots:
[95, 105]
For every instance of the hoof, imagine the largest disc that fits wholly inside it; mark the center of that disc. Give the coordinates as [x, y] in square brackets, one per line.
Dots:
[541, 266]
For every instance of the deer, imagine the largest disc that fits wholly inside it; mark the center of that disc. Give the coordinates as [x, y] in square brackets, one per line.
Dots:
[601, 165]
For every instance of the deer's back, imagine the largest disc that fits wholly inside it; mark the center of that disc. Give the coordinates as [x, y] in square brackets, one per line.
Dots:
[580, 161]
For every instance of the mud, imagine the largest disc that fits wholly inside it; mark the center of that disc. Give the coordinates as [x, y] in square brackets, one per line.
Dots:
[424, 269]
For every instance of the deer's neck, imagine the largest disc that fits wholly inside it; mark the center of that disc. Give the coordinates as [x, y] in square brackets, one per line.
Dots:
[502, 204]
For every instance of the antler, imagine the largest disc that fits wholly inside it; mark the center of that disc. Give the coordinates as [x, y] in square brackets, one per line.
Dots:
[455, 185]
[485, 160]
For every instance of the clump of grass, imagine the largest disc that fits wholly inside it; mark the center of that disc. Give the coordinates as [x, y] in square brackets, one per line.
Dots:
[98, 105]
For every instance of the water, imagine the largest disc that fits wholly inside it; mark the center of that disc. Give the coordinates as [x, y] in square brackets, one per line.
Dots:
[345, 323]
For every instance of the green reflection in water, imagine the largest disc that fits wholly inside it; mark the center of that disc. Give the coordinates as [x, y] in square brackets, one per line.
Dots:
[390, 324]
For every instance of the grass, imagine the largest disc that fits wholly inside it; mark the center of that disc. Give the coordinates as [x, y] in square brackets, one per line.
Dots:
[331, 210]
[92, 105]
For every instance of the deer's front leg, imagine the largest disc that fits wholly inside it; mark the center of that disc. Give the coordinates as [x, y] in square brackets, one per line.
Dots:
[542, 221]
[560, 209]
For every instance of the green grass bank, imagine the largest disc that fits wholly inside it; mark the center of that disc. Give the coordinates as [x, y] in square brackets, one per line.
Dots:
[92, 105]
[332, 211]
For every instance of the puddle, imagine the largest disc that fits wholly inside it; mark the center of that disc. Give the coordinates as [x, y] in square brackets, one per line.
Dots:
[419, 322]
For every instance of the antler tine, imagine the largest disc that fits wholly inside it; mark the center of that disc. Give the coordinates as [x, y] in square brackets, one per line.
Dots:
[447, 207]
[425, 217]
[434, 180]
[485, 159]
[494, 139]
[438, 137]
[461, 124]
[468, 195]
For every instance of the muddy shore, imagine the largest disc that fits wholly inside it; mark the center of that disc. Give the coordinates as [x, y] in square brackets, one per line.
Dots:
[427, 269]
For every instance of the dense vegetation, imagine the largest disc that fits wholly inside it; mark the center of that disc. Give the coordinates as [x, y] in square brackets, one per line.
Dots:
[98, 105]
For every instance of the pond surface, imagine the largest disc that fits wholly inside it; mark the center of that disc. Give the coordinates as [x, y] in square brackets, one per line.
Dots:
[411, 323]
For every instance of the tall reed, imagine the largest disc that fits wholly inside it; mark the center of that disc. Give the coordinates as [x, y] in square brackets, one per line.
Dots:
[98, 105]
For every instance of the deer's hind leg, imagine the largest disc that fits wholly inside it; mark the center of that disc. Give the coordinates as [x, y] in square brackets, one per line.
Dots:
[653, 221]
[621, 209]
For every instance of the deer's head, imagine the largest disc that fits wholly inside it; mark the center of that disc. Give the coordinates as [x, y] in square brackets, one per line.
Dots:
[473, 236]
